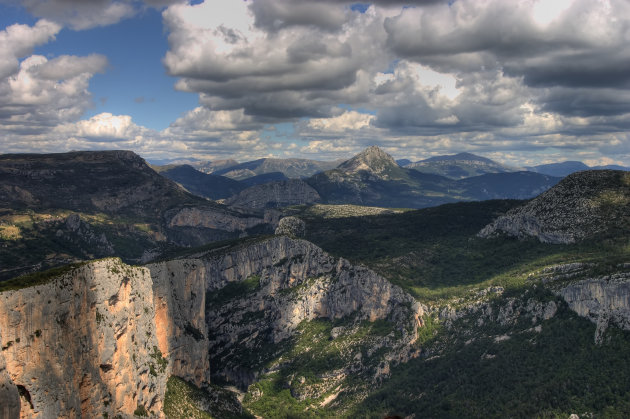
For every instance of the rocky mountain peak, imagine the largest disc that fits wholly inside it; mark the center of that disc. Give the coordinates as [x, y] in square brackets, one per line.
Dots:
[372, 159]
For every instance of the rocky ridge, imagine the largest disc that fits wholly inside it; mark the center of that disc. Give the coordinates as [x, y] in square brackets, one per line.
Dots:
[112, 182]
[275, 195]
[459, 166]
[374, 178]
[582, 205]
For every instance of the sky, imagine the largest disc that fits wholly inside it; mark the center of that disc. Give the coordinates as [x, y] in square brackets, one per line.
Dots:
[523, 82]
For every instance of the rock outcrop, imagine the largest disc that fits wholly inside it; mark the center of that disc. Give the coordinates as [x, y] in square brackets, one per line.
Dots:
[209, 218]
[582, 205]
[82, 234]
[604, 300]
[258, 295]
[275, 195]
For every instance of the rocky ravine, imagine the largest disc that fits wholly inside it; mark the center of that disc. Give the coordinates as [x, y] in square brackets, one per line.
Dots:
[104, 337]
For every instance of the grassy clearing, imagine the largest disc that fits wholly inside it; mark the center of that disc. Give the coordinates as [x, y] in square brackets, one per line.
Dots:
[10, 232]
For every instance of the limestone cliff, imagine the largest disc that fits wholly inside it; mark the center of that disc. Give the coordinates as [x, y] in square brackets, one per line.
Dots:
[84, 344]
[258, 295]
[104, 337]
[9, 393]
[179, 297]
[603, 300]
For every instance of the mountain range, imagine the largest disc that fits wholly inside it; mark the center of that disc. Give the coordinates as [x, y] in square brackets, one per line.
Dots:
[171, 305]
[373, 178]
[455, 166]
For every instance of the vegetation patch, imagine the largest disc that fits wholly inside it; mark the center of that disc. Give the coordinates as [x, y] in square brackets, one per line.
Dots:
[162, 362]
[184, 400]
[141, 411]
[233, 290]
[553, 372]
[190, 330]
[10, 232]
[38, 278]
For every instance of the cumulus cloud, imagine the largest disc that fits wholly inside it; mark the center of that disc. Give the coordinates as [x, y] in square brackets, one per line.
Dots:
[86, 14]
[44, 93]
[350, 121]
[102, 127]
[420, 78]
[221, 50]
[17, 41]
[202, 122]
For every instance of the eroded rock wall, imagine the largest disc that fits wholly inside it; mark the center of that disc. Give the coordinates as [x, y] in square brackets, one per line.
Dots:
[179, 296]
[83, 344]
[104, 337]
[260, 293]
[604, 300]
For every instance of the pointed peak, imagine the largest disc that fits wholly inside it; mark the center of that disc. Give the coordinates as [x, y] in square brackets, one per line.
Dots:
[372, 159]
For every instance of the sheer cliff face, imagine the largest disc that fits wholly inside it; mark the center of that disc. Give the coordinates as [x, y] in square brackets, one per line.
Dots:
[104, 337]
[179, 296]
[257, 295]
[84, 344]
[604, 300]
